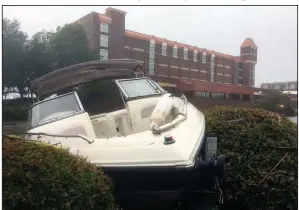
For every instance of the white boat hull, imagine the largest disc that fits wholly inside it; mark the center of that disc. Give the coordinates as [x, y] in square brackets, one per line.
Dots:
[139, 149]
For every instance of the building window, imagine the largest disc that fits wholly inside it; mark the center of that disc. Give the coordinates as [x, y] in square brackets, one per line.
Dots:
[185, 53]
[253, 76]
[241, 66]
[164, 49]
[195, 56]
[151, 68]
[218, 95]
[212, 72]
[240, 72]
[151, 58]
[203, 94]
[175, 51]
[104, 41]
[104, 28]
[103, 54]
[232, 96]
[240, 81]
[152, 46]
[138, 49]
[204, 57]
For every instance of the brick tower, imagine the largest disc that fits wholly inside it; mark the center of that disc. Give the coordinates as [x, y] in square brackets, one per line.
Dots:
[248, 55]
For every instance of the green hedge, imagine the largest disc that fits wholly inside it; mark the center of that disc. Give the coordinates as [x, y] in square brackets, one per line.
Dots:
[254, 147]
[15, 113]
[39, 176]
[17, 102]
[15, 109]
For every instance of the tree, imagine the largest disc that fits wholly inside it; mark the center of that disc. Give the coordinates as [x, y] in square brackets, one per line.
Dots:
[275, 101]
[69, 46]
[38, 58]
[14, 42]
[26, 59]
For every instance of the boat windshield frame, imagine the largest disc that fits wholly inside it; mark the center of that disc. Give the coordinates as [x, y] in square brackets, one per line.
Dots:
[54, 119]
[158, 90]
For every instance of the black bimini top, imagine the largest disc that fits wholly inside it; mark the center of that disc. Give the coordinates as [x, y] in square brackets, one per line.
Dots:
[83, 73]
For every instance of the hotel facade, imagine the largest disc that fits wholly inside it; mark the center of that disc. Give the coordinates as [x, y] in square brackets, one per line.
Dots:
[206, 73]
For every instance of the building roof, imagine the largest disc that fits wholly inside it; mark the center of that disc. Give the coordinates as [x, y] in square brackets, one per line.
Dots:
[146, 37]
[115, 10]
[206, 86]
[104, 18]
[248, 42]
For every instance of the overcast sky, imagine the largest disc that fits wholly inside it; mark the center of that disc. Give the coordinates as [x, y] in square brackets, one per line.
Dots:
[223, 29]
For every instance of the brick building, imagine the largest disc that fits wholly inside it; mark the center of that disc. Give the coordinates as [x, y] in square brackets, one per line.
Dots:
[207, 73]
[291, 85]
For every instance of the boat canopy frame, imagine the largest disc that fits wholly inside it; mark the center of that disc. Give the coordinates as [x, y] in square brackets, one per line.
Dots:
[83, 73]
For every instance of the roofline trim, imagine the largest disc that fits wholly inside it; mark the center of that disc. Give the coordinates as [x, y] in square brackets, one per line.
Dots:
[137, 35]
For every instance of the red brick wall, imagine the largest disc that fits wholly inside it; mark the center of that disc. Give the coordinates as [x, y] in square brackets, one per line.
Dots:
[88, 24]
[116, 34]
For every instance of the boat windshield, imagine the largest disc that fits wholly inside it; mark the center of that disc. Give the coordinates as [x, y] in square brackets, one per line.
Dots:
[54, 109]
[134, 88]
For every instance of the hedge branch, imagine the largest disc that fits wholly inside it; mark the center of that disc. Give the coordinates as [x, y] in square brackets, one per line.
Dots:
[273, 168]
[291, 149]
[15, 137]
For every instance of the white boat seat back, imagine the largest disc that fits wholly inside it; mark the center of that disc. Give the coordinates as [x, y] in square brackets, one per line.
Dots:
[104, 127]
[140, 111]
[112, 124]
[76, 125]
[122, 122]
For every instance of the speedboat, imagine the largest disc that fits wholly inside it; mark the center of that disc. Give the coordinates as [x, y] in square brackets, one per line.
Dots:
[155, 150]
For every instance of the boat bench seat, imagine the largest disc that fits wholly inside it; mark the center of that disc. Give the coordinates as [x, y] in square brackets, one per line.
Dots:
[104, 127]
[111, 124]
[140, 112]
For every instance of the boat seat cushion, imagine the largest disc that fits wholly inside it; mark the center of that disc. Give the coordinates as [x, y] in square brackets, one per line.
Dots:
[104, 127]
[122, 122]
[140, 112]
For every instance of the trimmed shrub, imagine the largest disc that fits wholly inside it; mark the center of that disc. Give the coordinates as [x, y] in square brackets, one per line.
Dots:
[41, 176]
[17, 102]
[263, 142]
[16, 109]
[15, 113]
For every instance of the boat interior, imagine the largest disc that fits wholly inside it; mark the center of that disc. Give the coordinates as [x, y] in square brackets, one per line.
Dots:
[134, 119]
[126, 118]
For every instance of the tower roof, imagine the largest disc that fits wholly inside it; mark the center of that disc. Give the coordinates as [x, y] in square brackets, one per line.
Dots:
[248, 42]
[115, 10]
